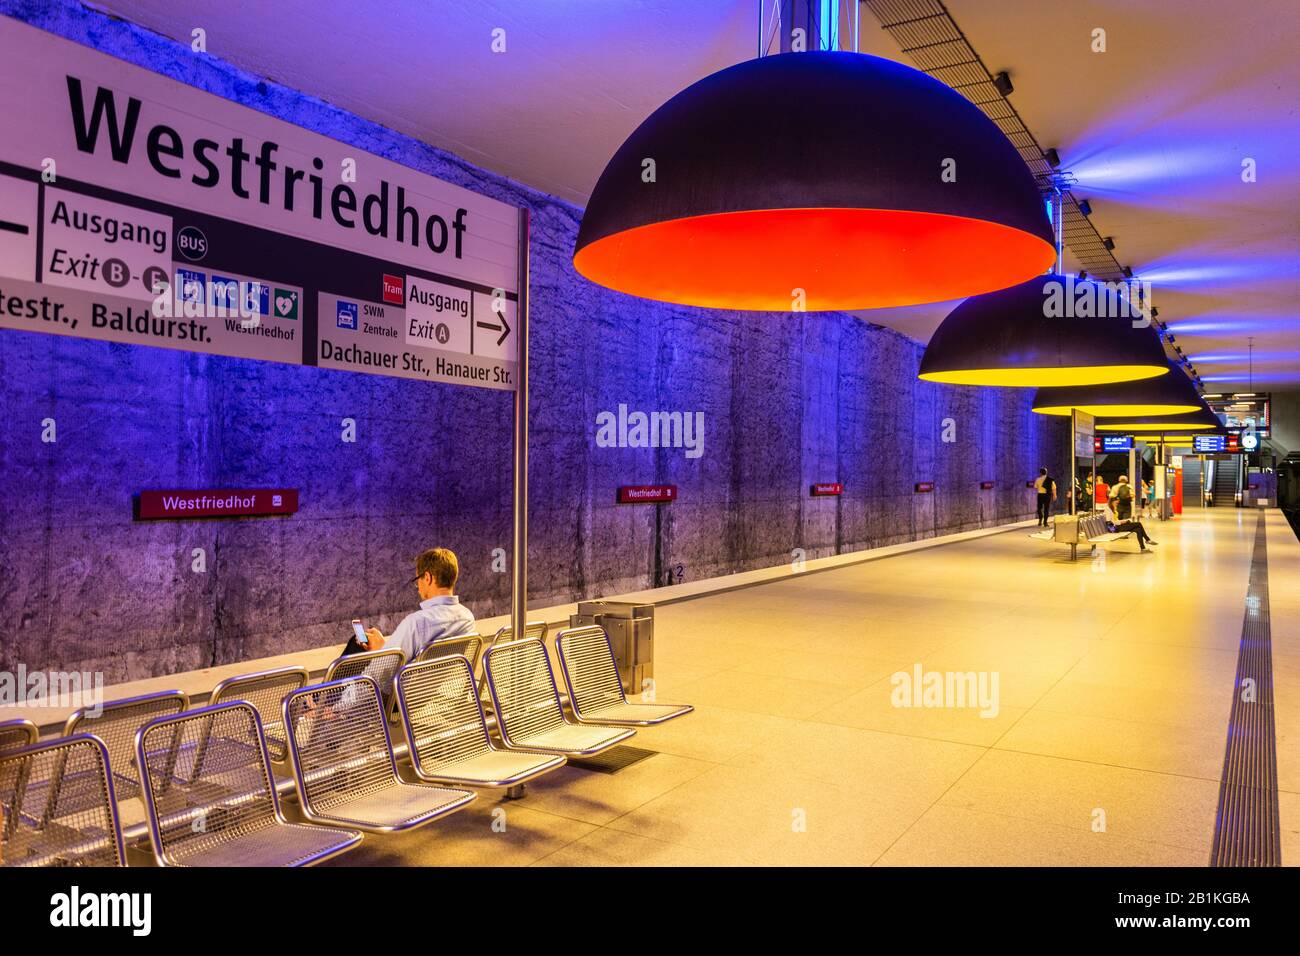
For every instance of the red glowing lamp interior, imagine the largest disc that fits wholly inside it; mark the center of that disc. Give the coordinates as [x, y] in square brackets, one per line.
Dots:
[840, 258]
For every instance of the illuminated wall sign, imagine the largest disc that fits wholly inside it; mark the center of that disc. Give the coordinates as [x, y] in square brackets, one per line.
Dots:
[923, 487]
[267, 241]
[826, 488]
[647, 494]
[1105, 444]
[1209, 443]
[988, 485]
[219, 503]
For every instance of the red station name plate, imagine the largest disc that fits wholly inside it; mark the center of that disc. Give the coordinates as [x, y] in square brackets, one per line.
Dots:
[827, 488]
[646, 494]
[220, 503]
[987, 485]
[923, 487]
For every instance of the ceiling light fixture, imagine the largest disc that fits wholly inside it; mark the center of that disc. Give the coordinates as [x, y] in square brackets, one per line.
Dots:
[894, 190]
[1016, 337]
[1171, 394]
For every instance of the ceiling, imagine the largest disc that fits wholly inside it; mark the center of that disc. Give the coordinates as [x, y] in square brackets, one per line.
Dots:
[1155, 129]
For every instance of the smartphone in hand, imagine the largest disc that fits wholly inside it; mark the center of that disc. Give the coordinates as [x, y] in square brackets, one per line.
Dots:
[359, 633]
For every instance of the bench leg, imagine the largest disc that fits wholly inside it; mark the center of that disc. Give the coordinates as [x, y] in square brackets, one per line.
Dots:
[516, 792]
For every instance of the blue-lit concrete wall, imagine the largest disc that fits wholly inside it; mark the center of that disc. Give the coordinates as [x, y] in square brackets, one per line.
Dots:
[788, 400]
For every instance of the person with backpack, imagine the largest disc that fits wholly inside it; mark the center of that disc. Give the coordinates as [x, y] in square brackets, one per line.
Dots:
[1046, 489]
[1121, 499]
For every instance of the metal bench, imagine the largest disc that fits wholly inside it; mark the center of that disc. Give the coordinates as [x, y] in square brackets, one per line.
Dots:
[533, 629]
[1093, 529]
[116, 726]
[595, 690]
[469, 646]
[57, 806]
[529, 713]
[447, 732]
[382, 665]
[18, 733]
[343, 764]
[266, 691]
[224, 811]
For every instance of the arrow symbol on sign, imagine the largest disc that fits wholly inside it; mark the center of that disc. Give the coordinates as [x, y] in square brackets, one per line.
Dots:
[503, 328]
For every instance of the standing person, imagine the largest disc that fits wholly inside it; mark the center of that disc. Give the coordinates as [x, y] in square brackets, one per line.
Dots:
[1121, 497]
[1045, 487]
[1145, 498]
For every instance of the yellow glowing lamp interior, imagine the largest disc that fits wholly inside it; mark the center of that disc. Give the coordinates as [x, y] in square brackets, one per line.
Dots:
[1150, 426]
[1113, 411]
[1040, 377]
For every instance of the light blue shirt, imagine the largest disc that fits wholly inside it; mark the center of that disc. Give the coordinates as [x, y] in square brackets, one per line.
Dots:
[438, 617]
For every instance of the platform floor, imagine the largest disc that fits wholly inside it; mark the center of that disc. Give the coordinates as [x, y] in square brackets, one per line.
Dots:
[1115, 679]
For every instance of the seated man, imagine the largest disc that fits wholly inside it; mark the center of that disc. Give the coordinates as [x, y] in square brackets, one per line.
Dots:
[1135, 526]
[440, 615]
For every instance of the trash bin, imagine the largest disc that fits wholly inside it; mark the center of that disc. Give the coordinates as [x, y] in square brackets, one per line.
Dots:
[631, 630]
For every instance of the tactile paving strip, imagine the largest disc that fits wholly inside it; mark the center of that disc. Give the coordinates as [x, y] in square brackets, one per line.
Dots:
[1247, 830]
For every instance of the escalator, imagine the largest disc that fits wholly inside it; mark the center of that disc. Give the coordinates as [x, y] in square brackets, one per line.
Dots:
[1226, 482]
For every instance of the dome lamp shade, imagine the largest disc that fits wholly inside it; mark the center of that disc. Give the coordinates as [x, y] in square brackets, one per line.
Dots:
[1026, 336]
[1171, 394]
[817, 180]
[1203, 420]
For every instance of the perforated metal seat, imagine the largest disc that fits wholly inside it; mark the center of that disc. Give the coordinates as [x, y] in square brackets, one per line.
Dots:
[116, 726]
[448, 733]
[58, 805]
[527, 702]
[469, 646]
[595, 689]
[382, 665]
[223, 809]
[266, 691]
[17, 733]
[343, 763]
[533, 629]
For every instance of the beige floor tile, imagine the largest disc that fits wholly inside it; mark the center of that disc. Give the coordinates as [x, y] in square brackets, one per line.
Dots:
[599, 797]
[468, 838]
[775, 821]
[1185, 751]
[713, 734]
[1164, 707]
[887, 768]
[764, 694]
[818, 666]
[605, 847]
[874, 709]
[1133, 805]
[1289, 812]
[954, 836]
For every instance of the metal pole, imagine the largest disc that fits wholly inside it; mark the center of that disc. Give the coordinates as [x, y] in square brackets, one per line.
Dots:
[519, 566]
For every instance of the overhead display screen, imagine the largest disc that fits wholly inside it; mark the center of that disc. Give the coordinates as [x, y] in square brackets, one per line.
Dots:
[1105, 444]
[1209, 443]
[136, 209]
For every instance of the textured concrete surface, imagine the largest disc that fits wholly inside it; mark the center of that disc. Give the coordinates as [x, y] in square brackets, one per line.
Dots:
[788, 400]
